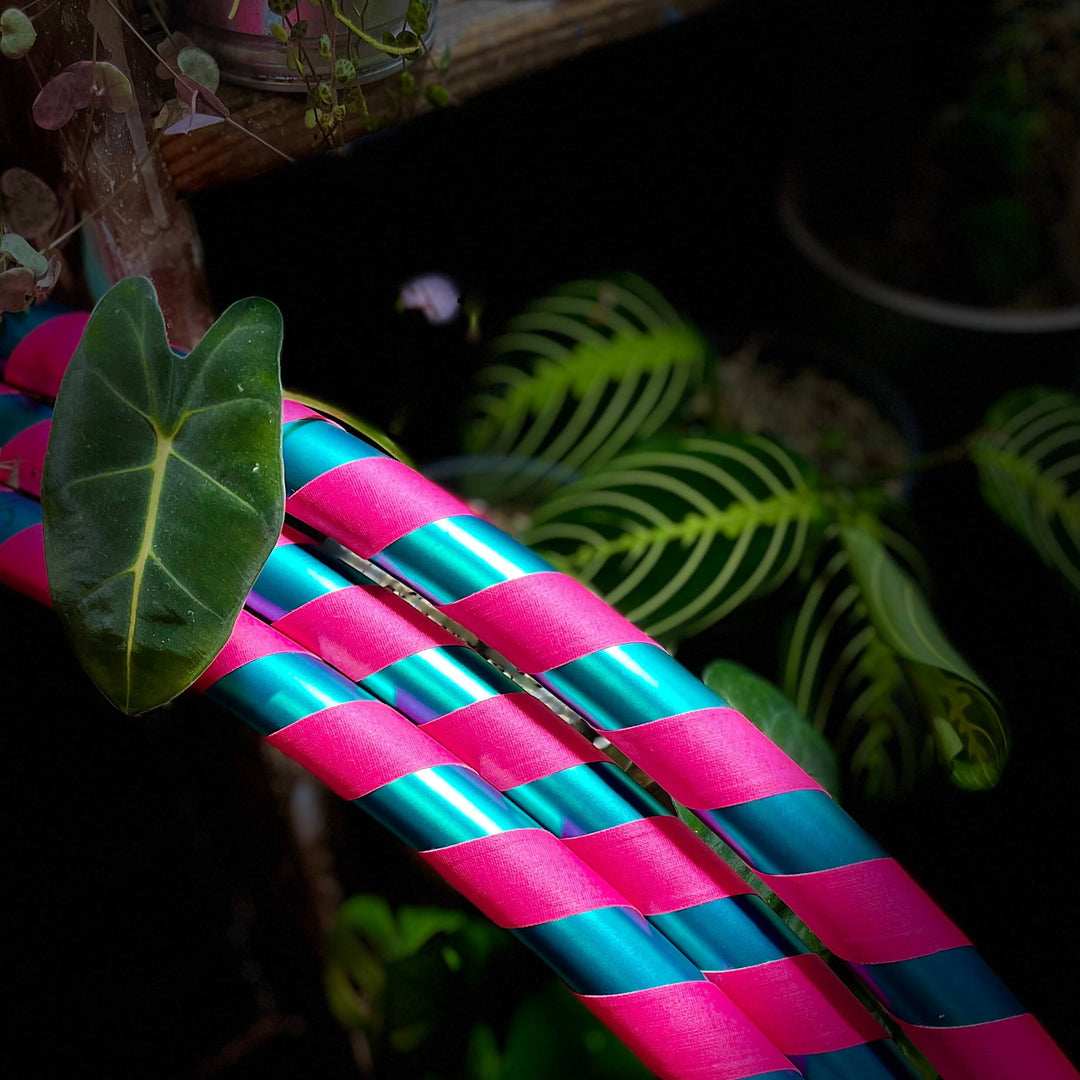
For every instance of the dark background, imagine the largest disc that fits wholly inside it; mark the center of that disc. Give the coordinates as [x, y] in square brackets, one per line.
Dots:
[156, 909]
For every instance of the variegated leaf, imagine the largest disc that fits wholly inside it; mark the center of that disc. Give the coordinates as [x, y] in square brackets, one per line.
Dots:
[1029, 468]
[680, 531]
[850, 684]
[967, 722]
[579, 375]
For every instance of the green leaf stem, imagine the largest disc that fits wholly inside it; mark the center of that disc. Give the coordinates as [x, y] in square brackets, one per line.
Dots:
[162, 493]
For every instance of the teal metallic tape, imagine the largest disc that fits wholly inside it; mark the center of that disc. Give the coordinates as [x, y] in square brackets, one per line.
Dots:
[272, 692]
[442, 806]
[878, 1060]
[17, 413]
[728, 933]
[627, 685]
[16, 513]
[312, 447]
[952, 988]
[585, 799]
[289, 579]
[796, 832]
[575, 947]
[484, 556]
[438, 681]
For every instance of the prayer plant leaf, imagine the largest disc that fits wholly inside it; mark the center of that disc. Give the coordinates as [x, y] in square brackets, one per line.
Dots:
[680, 531]
[580, 374]
[967, 723]
[162, 493]
[773, 712]
[1028, 458]
[849, 683]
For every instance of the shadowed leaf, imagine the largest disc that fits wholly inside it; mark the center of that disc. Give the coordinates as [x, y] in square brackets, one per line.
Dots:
[1029, 470]
[967, 723]
[162, 492]
[773, 712]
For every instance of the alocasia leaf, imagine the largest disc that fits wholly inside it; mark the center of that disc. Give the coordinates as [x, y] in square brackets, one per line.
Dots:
[162, 493]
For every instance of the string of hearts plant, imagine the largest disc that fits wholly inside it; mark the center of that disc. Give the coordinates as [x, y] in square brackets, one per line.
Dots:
[37, 222]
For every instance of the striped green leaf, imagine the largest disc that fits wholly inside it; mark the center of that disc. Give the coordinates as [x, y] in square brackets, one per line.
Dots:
[1028, 459]
[578, 376]
[680, 531]
[866, 662]
[967, 723]
[849, 683]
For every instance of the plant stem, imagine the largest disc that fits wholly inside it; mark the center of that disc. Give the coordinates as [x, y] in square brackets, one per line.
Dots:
[102, 206]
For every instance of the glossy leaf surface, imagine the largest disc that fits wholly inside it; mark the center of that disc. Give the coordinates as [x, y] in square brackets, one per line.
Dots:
[162, 492]
[679, 532]
[769, 709]
[1029, 470]
[580, 374]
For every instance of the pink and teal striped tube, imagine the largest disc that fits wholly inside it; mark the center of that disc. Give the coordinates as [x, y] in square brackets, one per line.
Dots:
[563, 783]
[681, 1025]
[860, 902]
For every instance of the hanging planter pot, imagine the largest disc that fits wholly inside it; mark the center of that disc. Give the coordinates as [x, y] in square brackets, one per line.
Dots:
[241, 36]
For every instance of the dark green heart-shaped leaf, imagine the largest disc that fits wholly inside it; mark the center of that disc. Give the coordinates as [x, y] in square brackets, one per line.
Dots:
[1028, 459]
[774, 713]
[162, 493]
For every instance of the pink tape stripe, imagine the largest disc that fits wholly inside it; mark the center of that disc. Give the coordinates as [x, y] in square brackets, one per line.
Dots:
[800, 1005]
[1016, 1048]
[687, 1031]
[361, 630]
[543, 620]
[868, 913]
[37, 364]
[658, 864]
[358, 746]
[251, 638]
[511, 739]
[522, 878]
[711, 758]
[370, 503]
[22, 564]
[23, 456]
[295, 410]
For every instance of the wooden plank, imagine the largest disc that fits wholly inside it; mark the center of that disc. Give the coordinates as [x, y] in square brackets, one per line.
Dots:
[491, 42]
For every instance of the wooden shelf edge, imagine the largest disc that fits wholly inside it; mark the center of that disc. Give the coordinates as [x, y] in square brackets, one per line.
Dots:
[492, 43]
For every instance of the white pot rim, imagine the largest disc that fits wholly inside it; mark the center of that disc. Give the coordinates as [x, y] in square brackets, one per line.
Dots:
[915, 305]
